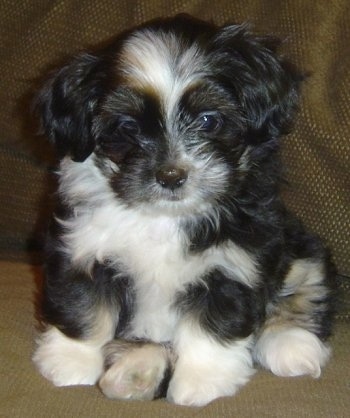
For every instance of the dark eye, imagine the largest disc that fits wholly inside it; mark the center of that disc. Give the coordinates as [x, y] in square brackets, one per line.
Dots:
[128, 126]
[209, 122]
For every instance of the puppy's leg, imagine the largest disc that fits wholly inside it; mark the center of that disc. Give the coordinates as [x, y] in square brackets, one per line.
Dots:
[81, 310]
[206, 368]
[69, 361]
[290, 343]
[136, 370]
[213, 340]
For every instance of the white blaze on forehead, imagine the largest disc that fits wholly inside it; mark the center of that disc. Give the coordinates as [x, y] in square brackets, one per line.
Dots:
[162, 62]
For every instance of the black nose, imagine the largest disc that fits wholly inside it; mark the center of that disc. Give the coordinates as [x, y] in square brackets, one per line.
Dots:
[171, 177]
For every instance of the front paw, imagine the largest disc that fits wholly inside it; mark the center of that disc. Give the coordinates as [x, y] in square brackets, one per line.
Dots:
[198, 387]
[67, 362]
[198, 383]
[189, 390]
[136, 371]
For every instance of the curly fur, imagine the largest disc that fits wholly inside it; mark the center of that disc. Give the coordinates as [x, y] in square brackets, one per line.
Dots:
[169, 235]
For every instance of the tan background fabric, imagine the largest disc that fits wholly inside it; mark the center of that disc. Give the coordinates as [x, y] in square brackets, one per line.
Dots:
[34, 34]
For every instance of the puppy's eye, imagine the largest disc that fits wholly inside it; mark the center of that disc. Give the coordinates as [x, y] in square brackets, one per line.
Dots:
[209, 122]
[128, 126]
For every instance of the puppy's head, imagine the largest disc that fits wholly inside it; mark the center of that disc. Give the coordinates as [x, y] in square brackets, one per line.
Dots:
[175, 114]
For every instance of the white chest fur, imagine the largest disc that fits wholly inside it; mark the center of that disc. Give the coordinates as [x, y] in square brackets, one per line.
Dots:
[149, 247]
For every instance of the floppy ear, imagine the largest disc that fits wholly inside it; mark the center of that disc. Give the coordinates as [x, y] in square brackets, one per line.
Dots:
[265, 86]
[66, 105]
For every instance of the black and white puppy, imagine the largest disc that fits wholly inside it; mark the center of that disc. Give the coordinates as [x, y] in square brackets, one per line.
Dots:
[172, 264]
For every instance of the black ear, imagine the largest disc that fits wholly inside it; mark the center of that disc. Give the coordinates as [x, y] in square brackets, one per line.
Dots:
[265, 86]
[66, 105]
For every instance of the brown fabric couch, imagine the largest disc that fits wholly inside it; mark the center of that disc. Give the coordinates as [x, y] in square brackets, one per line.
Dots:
[36, 33]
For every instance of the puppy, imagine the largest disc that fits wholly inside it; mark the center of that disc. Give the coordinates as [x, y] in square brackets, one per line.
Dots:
[172, 266]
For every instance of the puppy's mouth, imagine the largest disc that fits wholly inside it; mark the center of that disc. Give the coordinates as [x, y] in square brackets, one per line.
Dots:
[171, 196]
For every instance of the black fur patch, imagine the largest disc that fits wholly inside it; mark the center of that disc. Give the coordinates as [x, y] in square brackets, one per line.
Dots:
[72, 297]
[225, 308]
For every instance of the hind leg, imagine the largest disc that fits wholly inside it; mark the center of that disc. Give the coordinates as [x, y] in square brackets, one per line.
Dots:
[291, 341]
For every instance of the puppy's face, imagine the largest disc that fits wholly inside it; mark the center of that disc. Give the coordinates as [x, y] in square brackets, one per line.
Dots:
[166, 132]
[175, 114]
